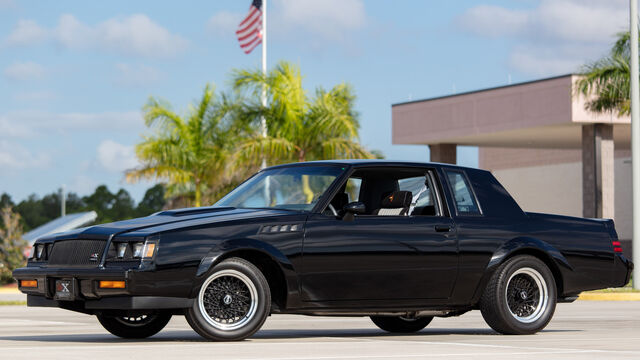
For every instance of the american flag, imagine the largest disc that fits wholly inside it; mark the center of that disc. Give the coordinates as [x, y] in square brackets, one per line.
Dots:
[250, 29]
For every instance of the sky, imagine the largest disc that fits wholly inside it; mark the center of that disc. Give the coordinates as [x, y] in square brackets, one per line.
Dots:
[74, 75]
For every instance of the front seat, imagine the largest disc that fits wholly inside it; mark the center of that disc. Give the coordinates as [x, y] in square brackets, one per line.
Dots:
[397, 203]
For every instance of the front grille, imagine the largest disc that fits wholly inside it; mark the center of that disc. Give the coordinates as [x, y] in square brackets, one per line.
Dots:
[77, 252]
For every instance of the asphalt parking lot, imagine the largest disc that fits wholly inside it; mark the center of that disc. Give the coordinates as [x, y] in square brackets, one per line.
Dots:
[582, 330]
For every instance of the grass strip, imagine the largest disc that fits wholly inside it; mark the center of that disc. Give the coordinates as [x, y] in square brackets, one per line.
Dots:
[16, 302]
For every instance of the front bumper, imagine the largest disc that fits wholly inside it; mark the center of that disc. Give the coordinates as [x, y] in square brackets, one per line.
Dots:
[143, 289]
[114, 303]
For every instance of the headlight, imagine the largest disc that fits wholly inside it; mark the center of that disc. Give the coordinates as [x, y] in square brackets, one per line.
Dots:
[122, 248]
[39, 251]
[137, 249]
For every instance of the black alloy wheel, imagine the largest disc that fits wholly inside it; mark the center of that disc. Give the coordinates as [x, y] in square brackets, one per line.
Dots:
[399, 324]
[232, 303]
[520, 297]
[135, 327]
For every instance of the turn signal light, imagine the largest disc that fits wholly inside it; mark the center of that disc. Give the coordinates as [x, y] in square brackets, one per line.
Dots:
[29, 283]
[148, 250]
[111, 284]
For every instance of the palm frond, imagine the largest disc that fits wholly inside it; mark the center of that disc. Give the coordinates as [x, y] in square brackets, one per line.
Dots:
[340, 148]
[159, 113]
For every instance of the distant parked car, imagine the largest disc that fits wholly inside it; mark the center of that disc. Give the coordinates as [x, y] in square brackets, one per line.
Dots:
[400, 242]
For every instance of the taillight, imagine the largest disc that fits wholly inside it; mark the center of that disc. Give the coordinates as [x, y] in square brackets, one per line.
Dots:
[616, 246]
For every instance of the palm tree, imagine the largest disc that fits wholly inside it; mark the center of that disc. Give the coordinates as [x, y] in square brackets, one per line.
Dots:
[191, 152]
[608, 79]
[299, 128]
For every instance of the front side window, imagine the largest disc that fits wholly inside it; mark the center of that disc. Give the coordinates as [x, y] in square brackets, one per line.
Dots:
[292, 188]
[419, 188]
[463, 196]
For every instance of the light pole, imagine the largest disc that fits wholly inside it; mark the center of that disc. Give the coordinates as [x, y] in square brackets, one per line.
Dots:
[635, 138]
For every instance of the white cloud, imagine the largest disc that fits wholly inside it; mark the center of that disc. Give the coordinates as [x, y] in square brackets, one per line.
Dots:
[116, 157]
[132, 35]
[16, 157]
[34, 123]
[136, 75]
[26, 32]
[13, 129]
[24, 71]
[83, 184]
[224, 23]
[330, 19]
[555, 37]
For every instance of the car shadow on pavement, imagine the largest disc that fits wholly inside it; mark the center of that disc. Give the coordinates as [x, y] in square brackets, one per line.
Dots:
[266, 334]
[368, 333]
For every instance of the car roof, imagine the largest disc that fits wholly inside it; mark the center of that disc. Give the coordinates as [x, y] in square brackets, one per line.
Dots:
[369, 162]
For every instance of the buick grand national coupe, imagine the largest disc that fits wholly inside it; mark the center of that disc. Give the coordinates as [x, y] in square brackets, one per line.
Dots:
[399, 242]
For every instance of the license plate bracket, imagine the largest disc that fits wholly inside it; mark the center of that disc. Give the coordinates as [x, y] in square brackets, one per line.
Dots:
[65, 289]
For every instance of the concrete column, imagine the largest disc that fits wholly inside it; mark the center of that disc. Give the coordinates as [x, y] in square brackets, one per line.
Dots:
[443, 153]
[597, 171]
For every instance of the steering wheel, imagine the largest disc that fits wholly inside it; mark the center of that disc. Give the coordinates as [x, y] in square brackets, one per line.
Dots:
[333, 210]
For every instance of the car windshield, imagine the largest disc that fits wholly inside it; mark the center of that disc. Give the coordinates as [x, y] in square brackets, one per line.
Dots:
[292, 188]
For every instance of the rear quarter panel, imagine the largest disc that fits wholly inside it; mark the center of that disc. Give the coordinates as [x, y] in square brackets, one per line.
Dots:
[585, 243]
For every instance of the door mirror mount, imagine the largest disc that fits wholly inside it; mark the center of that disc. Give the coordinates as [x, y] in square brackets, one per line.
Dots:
[352, 209]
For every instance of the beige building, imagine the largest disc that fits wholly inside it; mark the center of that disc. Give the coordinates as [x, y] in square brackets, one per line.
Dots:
[537, 138]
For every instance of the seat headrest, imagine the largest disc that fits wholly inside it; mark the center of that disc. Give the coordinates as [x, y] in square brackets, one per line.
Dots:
[397, 199]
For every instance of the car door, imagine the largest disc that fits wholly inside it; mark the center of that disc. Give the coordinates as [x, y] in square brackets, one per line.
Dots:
[379, 257]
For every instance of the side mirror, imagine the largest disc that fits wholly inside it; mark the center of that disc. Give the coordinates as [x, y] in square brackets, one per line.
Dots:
[355, 207]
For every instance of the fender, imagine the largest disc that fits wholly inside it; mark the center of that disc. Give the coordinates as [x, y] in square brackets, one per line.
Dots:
[217, 253]
[519, 245]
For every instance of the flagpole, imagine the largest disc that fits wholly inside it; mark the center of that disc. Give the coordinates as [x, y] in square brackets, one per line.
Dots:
[263, 121]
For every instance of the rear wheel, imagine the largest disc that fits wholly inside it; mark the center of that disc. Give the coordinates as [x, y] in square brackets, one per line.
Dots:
[135, 327]
[399, 324]
[233, 302]
[521, 296]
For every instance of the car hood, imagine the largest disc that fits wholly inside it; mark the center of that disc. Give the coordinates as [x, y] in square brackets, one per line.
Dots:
[170, 217]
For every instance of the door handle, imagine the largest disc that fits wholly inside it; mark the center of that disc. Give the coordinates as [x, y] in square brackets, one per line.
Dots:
[443, 228]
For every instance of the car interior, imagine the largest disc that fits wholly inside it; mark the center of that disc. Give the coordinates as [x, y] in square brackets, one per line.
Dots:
[389, 192]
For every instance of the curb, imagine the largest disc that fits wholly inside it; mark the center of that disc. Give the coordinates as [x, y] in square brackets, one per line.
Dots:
[631, 296]
[9, 291]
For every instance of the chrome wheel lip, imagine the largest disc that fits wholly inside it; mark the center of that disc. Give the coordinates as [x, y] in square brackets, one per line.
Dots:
[253, 291]
[543, 300]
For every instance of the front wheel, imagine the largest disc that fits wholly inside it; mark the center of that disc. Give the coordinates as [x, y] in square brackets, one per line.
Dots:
[233, 302]
[520, 297]
[399, 324]
[135, 327]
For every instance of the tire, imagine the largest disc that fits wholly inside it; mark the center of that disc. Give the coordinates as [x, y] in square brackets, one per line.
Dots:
[520, 297]
[399, 324]
[232, 303]
[138, 327]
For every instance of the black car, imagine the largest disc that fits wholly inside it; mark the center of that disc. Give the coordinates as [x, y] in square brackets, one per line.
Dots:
[397, 241]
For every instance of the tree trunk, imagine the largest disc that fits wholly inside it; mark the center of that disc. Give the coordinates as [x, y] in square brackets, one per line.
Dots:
[197, 193]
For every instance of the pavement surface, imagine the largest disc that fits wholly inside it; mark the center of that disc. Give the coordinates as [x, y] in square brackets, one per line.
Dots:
[582, 330]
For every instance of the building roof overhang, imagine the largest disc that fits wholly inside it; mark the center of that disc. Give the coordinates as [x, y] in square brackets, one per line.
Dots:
[539, 114]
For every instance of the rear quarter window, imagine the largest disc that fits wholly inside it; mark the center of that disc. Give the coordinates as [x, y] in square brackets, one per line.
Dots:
[462, 192]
